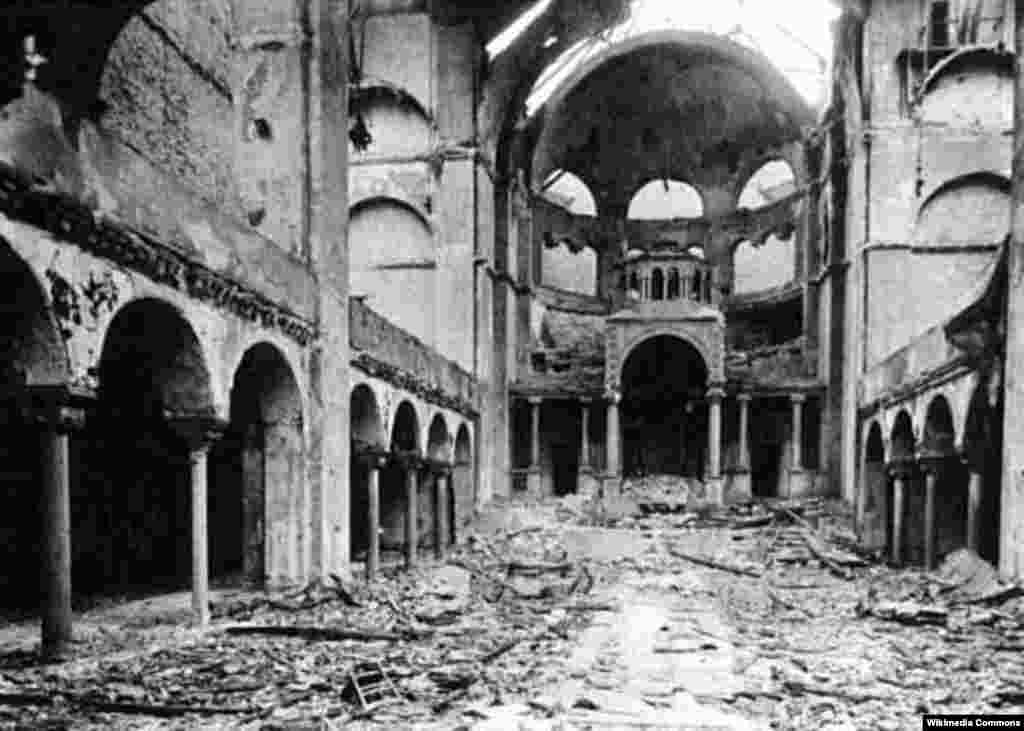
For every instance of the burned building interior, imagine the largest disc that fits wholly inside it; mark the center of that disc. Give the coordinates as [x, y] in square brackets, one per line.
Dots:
[295, 291]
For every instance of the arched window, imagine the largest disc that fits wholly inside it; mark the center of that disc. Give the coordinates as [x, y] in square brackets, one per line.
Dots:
[666, 199]
[657, 285]
[697, 285]
[771, 182]
[673, 284]
[568, 191]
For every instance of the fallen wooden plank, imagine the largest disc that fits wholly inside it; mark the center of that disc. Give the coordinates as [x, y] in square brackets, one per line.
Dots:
[700, 561]
[327, 634]
[820, 554]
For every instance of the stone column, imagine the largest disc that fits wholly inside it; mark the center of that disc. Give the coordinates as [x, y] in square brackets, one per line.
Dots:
[412, 465]
[533, 478]
[584, 435]
[199, 432]
[932, 468]
[797, 402]
[900, 471]
[975, 490]
[715, 396]
[744, 456]
[442, 489]
[57, 411]
[375, 463]
[613, 436]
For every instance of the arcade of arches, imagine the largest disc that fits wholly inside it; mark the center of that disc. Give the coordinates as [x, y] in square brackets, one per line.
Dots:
[227, 362]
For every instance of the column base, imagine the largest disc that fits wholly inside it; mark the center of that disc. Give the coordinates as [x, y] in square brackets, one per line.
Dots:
[534, 486]
[588, 484]
[739, 487]
[801, 483]
[714, 490]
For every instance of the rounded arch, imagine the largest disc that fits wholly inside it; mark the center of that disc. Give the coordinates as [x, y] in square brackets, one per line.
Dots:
[902, 441]
[939, 435]
[389, 121]
[657, 284]
[659, 200]
[32, 347]
[569, 191]
[874, 445]
[972, 87]
[393, 264]
[405, 430]
[664, 416]
[260, 462]
[756, 268]
[150, 348]
[439, 440]
[773, 180]
[790, 106]
[673, 287]
[969, 209]
[636, 342]
[367, 424]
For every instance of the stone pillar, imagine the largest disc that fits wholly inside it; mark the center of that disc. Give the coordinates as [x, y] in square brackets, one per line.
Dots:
[975, 490]
[533, 478]
[744, 456]
[613, 437]
[57, 411]
[199, 433]
[715, 396]
[442, 489]
[932, 468]
[900, 471]
[584, 435]
[412, 465]
[797, 402]
[375, 463]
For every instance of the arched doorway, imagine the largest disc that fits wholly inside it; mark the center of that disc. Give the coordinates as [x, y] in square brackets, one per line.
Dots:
[434, 502]
[983, 447]
[134, 506]
[32, 353]
[463, 494]
[367, 434]
[874, 528]
[405, 451]
[256, 504]
[664, 413]
[950, 476]
[905, 527]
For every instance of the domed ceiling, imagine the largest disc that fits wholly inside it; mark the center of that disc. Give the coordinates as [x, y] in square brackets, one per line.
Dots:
[687, 106]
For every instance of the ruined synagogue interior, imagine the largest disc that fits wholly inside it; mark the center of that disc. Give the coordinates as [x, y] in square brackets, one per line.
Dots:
[458, 364]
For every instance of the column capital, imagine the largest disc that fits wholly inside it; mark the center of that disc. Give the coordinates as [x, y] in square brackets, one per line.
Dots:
[198, 430]
[901, 468]
[61, 407]
[716, 393]
[373, 457]
[932, 462]
[438, 467]
[407, 458]
[612, 396]
[535, 400]
[586, 400]
[744, 397]
[797, 398]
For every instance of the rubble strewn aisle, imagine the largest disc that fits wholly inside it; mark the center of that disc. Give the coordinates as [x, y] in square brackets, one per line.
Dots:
[554, 616]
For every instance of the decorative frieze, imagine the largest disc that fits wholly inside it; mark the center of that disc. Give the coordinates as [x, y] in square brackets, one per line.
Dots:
[70, 220]
[411, 383]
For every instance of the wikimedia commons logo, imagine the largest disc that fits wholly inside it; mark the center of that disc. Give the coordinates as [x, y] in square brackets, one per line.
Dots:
[972, 721]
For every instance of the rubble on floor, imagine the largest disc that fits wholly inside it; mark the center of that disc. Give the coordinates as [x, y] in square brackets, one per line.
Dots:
[761, 615]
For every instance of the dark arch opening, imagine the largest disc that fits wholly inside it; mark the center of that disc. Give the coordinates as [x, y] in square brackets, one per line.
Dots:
[875, 527]
[664, 414]
[32, 352]
[463, 491]
[672, 289]
[367, 433]
[405, 439]
[657, 285]
[258, 473]
[131, 506]
[983, 448]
